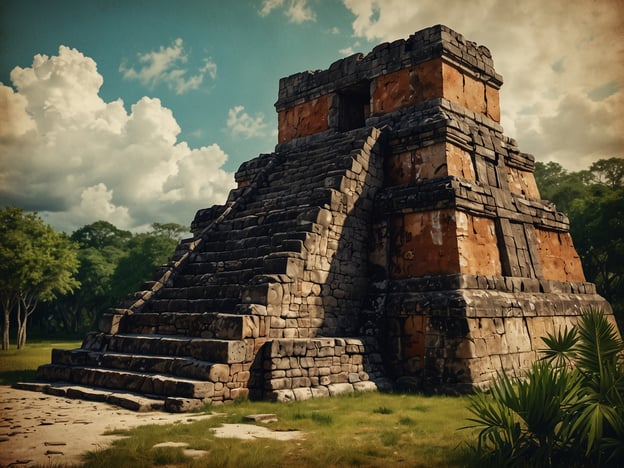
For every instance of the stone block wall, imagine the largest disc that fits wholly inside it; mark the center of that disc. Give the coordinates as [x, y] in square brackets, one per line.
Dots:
[434, 78]
[429, 162]
[394, 232]
[557, 256]
[433, 63]
[455, 332]
[297, 369]
[318, 287]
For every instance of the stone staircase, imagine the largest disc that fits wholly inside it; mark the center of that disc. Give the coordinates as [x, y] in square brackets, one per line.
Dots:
[195, 334]
[421, 252]
[175, 371]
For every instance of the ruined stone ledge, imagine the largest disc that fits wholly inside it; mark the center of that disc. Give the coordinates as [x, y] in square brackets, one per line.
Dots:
[420, 47]
[328, 140]
[205, 325]
[483, 282]
[439, 120]
[471, 197]
[446, 304]
[414, 121]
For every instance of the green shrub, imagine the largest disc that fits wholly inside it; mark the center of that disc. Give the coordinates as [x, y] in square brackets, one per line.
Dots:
[566, 410]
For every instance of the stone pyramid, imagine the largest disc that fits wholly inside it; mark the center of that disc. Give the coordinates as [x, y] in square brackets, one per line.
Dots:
[395, 237]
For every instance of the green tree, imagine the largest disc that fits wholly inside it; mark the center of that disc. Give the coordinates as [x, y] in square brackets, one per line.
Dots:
[100, 235]
[36, 264]
[609, 172]
[102, 245]
[597, 227]
[145, 253]
[560, 186]
[75, 313]
[113, 263]
[172, 230]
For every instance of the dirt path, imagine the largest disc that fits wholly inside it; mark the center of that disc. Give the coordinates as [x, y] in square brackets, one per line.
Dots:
[36, 428]
[41, 429]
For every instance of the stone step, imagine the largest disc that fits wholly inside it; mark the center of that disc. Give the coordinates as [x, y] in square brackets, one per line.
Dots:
[220, 262]
[204, 349]
[216, 237]
[245, 248]
[206, 325]
[139, 382]
[173, 366]
[198, 306]
[207, 291]
[293, 177]
[128, 400]
[200, 273]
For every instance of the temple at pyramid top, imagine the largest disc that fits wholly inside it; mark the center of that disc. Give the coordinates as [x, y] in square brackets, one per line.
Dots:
[433, 63]
[395, 238]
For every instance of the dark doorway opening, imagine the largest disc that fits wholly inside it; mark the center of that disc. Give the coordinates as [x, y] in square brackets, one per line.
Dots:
[354, 106]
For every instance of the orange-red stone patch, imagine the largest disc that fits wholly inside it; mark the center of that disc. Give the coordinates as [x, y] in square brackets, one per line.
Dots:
[558, 256]
[492, 99]
[304, 119]
[407, 87]
[432, 79]
[424, 244]
[430, 162]
[443, 242]
[522, 183]
[477, 245]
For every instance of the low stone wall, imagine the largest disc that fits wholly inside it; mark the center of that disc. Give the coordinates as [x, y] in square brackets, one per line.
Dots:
[455, 333]
[300, 369]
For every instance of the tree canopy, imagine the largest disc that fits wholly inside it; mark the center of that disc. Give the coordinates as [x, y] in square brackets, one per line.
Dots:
[113, 264]
[36, 264]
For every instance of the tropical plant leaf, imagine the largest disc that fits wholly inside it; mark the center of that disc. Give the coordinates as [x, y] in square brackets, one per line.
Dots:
[560, 349]
[568, 408]
[599, 343]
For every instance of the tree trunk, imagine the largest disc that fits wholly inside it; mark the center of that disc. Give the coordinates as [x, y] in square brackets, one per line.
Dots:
[19, 322]
[7, 306]
[21, 333]
[24, 310]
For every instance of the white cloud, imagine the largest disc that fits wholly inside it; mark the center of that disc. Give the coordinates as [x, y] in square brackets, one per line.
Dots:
[553, 56]
[297, 11]
[350, 50]
[167, 66]
[14, 120]
[76, 158]
[347, 51]
[241, 123]
[269, 5]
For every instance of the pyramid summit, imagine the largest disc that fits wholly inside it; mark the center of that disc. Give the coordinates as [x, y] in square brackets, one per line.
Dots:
[394, 238]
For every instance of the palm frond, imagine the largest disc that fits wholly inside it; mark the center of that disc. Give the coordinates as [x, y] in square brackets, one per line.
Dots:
[560, 349]
[599, 344]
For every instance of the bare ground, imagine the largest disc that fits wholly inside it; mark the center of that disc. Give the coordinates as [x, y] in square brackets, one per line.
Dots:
[37, 428]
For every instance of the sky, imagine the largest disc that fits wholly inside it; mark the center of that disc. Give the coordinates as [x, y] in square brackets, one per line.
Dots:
[140, 111]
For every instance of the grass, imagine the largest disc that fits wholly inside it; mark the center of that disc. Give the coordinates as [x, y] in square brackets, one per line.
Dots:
[21, 364]
[356, 430]
[350, 430]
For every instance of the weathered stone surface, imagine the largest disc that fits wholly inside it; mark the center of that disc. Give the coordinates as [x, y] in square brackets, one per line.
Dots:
[393, 211]
[305, 119]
